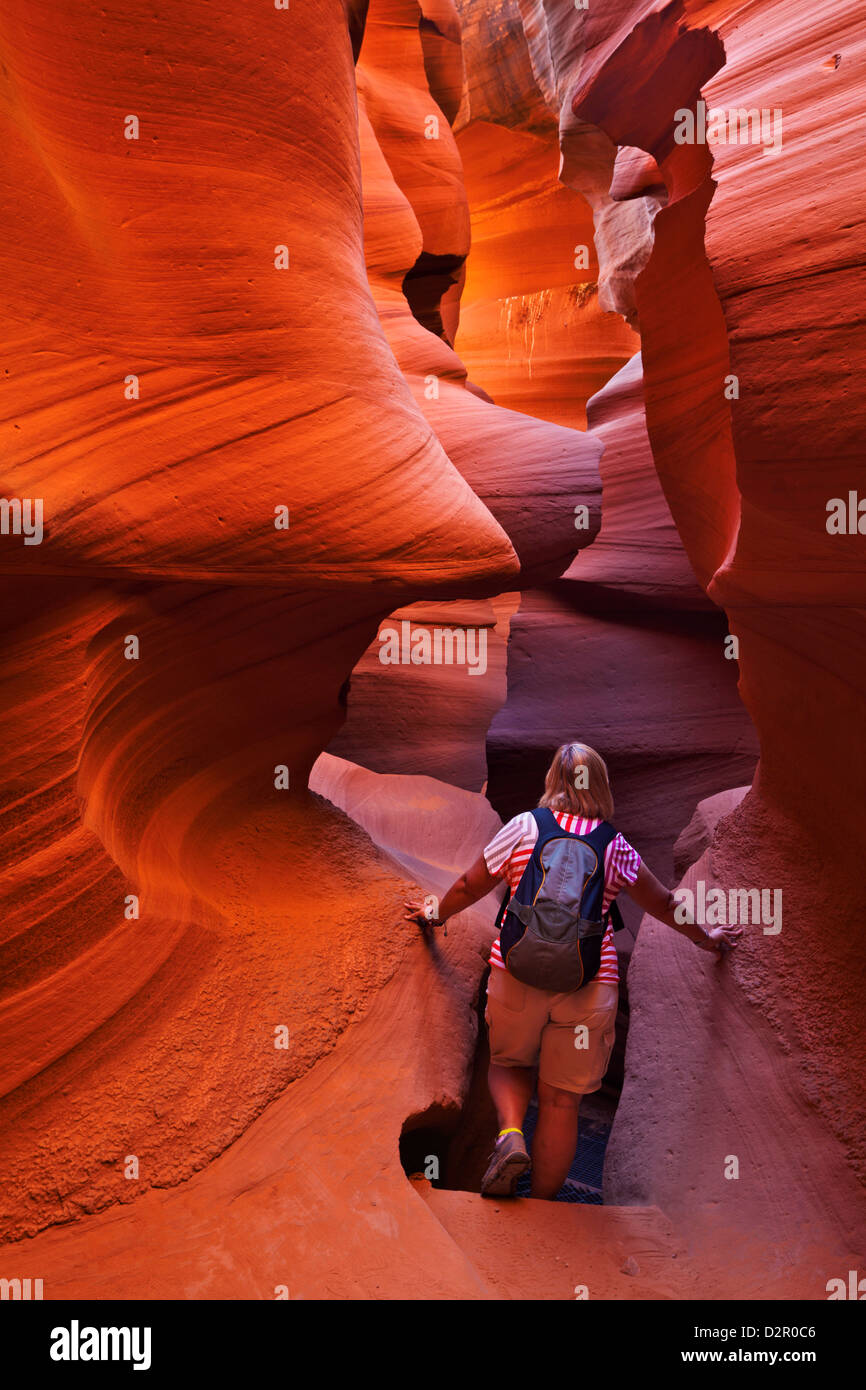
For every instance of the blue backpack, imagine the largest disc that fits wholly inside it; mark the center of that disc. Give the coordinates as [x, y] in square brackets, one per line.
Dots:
[551, 930]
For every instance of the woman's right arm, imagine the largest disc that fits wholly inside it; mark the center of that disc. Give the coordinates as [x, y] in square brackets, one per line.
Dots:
[660, 903]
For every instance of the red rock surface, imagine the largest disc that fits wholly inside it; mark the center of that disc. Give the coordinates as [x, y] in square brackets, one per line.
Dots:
[533, 327]
[155, 776]
[764, 295]
[338, 388]
[312, 1198]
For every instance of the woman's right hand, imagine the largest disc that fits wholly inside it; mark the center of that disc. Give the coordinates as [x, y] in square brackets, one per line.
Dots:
[720, 940]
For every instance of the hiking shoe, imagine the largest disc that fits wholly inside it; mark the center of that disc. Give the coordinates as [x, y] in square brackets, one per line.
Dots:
[507, 1162]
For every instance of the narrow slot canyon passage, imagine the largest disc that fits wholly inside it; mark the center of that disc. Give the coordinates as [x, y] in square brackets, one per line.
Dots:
[450, 1149]
[615, 643]
[403, 394]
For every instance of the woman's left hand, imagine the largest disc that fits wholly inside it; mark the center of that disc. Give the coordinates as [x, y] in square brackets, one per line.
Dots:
[417, 912]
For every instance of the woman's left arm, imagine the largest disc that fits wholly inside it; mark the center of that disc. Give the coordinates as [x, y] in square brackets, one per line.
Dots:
[469, 888]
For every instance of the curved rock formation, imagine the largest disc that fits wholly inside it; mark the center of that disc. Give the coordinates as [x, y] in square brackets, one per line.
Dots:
[535, 328]
[241, 296]
[748, 466]
[532, 474]
[165, 403]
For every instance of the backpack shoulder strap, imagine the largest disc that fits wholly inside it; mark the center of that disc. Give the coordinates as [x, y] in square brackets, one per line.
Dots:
[598, 840]
[546, 822]
[614, 916]
[602, 836]
[503, 907]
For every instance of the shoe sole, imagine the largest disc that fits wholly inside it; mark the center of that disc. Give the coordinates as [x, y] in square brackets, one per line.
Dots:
[503, 1181]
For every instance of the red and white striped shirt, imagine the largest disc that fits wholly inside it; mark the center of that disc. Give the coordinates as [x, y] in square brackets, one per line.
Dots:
[508, 854]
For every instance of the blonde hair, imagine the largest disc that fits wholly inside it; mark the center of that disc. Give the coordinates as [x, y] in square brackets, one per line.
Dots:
[588, 794]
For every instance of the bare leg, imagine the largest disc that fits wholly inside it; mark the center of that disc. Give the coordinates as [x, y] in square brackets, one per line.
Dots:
[511, 1089]
[554, 1143]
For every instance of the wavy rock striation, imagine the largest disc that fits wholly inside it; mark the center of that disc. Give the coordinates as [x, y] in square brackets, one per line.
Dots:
[752, 264]
[232, 310]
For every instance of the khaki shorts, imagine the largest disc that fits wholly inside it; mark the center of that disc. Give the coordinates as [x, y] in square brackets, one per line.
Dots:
[529, 1026]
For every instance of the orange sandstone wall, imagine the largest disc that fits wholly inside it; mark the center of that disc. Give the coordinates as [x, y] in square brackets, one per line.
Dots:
[174, 388]
[236, 374]
[534, 331]
[750, 277]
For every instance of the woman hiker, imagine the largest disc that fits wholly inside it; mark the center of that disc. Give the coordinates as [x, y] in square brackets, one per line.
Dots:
[568, 1034]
